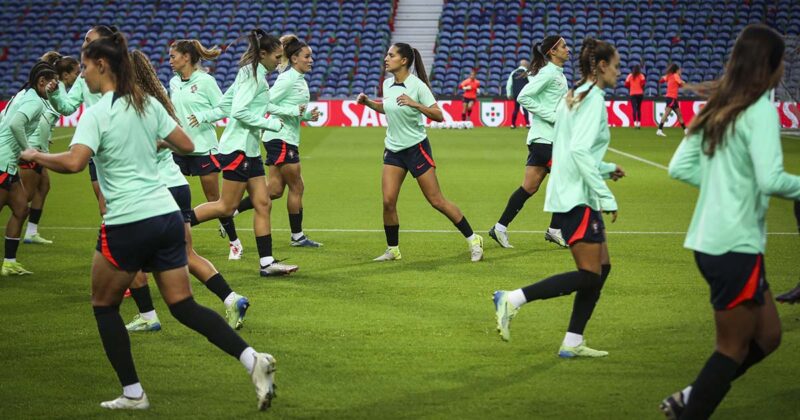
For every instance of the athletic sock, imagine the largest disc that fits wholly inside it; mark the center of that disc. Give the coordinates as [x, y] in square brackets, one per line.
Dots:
[248, 359]
[560, 285]
[230, 227]
[245, 204]
[515, 204]
[710, 387]
[209, 324]
[11, 248]
[141, 295]
[754, 355]
[264, 245]
[392, 234]
[517, 298]
[464, 227]
[585, 302]
[31, 229]
[116, 343]
[296, 223]
[572, 339]
[133, 391]
[217, 285]
[500, 228]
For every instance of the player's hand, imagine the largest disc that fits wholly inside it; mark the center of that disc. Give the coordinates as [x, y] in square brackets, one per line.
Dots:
[618, 173]
[28, 154]
[52, 86]
[404, 100]
[315, 114]
[613, 215]
[193, 121]
[362, 99]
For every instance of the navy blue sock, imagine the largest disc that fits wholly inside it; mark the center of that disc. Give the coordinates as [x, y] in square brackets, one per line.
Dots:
[230, 227]
[218, 286]
[264, 245]
[11, 247]
[141, 295]
[116, 343]
[34, 215]
[392, 234]
[464, 227]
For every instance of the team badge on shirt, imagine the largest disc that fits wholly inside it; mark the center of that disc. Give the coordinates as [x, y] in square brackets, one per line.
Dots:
[194, 88]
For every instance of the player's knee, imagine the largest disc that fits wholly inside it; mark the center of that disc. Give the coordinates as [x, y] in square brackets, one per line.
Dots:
[262, 204]
[389, 205]
[590, 280]
[438, 202]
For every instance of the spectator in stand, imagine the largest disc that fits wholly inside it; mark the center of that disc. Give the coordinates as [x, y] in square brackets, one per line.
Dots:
[516, 81]
[471, 87]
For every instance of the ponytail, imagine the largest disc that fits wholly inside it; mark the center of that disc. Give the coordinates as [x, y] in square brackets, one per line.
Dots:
[540, 54]
[592, 52]
[413, 56]
[147, 80]
[291, 46]
[259, 40]
[114, 49]
[196, 50]
[419, 68]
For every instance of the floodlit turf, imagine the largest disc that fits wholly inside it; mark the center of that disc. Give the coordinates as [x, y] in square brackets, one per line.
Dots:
[412, 338]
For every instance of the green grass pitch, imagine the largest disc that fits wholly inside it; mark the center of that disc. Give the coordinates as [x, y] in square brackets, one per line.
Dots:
[411, 338]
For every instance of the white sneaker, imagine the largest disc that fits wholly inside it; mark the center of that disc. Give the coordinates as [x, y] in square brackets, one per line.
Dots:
[501, 237]
[476, 248]
[555, 236]
[125, 403]
[660, 133]
[391, 253]
[236, 251]
[263, 377]
[278, 269]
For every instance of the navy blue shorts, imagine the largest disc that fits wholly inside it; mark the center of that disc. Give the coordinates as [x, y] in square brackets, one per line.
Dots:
[734, 278]
[673, 103]
[280, 152]
[92, 171]
[417, 159]
[153, 244]
[6, 180]
[240, 168]
[183, 197]
[540, 154]
[581, 224]
[196, 165]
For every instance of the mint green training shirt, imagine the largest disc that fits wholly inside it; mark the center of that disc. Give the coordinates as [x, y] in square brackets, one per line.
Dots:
[736, 183]
[249, 105]
[195, 96]
[541, 97]
[288, 92]
[67, 103]
[404, 124]
[580, 143]
[28, 103]
[40, 139]
[124, 145]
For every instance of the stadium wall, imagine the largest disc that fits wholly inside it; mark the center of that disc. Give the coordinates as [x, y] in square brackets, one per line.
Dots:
[495, 113]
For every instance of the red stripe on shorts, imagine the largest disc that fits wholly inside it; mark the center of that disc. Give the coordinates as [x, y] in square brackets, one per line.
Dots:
[749, 289]
[235, 164]
[214, 160]
[3, 177]
[581, 231]
[426, 155]
[282, 156]
[104, 249]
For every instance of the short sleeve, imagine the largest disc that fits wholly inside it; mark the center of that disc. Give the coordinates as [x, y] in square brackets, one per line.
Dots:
[425, 95]
[88, 131]
[164, 123]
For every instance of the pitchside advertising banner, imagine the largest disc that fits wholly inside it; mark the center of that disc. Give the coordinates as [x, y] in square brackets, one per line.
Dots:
[347, 113]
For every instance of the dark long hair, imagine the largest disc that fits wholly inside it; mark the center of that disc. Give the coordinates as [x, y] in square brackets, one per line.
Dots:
[147, 80]
[673, 68]
[636, 70]
[755, 66]
[539, 54]
[105, 30]
[413, 56]
[592, 52]
[196, 50]
[114, 49]
[60, 63]
[259, 40]
[39, 70]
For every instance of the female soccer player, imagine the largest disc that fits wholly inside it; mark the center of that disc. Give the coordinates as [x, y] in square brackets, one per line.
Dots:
[577, 195]
[170, 175]
[142, 227]
[194, 92]
[733, 154]
[239, 151]
[405, 97]
[67, 103]
[470, 86]
[21, 118]
[635, 83]
[288, 93]
[541, 97]
[36, 178]
[674, 82]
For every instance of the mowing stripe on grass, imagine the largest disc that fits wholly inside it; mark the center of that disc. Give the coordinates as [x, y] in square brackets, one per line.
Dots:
[640, 159]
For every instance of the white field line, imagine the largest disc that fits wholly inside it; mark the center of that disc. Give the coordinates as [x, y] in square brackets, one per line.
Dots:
[45, 227]
[640, 159]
